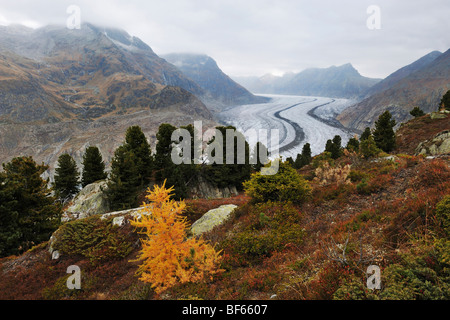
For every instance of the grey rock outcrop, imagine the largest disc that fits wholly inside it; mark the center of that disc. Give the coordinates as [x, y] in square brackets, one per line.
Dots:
[439, 115]
[204, 189]
[91, 200]
[439, 145]
[212, 219]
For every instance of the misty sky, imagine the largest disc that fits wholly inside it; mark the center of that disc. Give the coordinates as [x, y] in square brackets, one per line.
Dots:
[255, 37]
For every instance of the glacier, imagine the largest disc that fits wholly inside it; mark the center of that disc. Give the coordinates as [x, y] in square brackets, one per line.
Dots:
[298, 119]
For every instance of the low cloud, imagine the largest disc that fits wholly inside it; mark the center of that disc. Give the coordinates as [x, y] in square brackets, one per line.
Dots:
[254, 37]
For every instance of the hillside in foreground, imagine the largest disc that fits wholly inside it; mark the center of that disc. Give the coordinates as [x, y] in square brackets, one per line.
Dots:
[391, 211]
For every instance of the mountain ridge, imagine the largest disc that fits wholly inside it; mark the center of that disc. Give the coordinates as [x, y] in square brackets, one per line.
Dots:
[83, 70]
[335, 82]
[62, 90]
[204, 71]
[422, 87]
[401, 73]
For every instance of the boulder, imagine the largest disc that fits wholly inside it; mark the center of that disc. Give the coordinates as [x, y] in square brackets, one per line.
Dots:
[119, 221]
[439, 145]
[439, 115]
[121, 217]
[89, 201]
[212, 219]
[205, 190]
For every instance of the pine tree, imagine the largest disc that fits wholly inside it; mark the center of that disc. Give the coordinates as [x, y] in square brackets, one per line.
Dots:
[368, 148]
[189, 170]
[329, 145]
[445, 101]
[290, 160]
[299, 161]
[384, 135]
[305, 157]
[30, 212]
[93, 166]
[124, 181]
[163, 161]
[306, 154]
[334, 147]
[195, 141]
[66, 177]
[417, 112]
[353, 144]
[260, 156]
[136, 142]
[224, 175]
[177, 175]
[366, 134]
[9, 222]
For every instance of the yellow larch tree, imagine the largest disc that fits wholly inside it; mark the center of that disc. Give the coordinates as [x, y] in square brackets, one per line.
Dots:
[168, 256]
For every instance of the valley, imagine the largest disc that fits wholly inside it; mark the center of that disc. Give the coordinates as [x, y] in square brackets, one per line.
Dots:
[93, 124]
[299, 120]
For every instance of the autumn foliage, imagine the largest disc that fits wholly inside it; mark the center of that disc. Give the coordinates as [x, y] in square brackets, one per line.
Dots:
[169, 257]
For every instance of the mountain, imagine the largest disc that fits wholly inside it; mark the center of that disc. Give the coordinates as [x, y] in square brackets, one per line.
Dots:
[402, 73]
[336, 82]
[204, 71]
[62, 90]
[55, 74]
[268, 83]
[422, 84]
[378, 216]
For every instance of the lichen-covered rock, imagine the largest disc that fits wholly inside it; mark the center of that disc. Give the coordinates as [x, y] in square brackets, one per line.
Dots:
[439, 145]
[119, 221]
[91, 200]
[205, 190]
[212, 219]
[439, 115]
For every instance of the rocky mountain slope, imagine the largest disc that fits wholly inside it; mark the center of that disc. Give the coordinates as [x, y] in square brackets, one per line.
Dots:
[79, 74]
[381, 212]
[61, 90]
[335, 82]
[46, 142]
[401, 73]
[204, 71]
[421, 84]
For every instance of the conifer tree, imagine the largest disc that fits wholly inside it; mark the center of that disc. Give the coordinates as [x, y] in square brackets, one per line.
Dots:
[445, 101]
[417, 112]
[124, 180]
[163, 161]
[194, 141]
[177, 175]
[189, 170]
[93, 166]
[329, 145]
[291, 161]
[168, 256]
[366, 134]
[306, 154]
[136, 142]
[224, 175]
[353, 144]
[9, 222]
[260, 156]
[66, 177]
[305, 157]
[28, 212]
[299, 161]
[368, 148]
[384, 135]
[334, 147]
